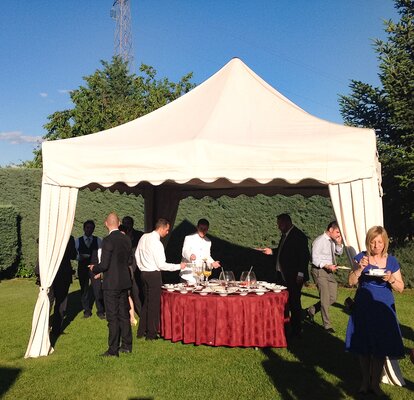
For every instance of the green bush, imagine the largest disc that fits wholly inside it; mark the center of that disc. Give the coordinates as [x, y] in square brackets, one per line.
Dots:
[9, 236]
[236, 224]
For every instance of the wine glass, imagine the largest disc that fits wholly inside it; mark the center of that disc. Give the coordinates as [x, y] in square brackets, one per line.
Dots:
[206, 272]
[226, 278]
[199, 272]
[248, 279]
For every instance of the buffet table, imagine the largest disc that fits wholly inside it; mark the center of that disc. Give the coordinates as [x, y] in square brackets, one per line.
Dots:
[246, 321]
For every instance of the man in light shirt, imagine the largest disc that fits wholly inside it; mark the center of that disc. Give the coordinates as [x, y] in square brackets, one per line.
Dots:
[196, 249]
[150, 257]
[324, 249]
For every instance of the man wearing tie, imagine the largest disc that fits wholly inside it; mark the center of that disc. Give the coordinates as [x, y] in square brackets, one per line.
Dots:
[292, 258]
[324, 249]
[85, 246]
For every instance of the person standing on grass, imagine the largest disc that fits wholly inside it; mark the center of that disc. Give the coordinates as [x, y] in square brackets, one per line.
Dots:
[373, 331]
[116, 253]
[292, 259]
[86, 245]
[324, 250]
[151, 260]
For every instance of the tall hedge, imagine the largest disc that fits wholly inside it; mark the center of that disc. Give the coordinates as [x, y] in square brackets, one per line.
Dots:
[9, 236]
[236, 224]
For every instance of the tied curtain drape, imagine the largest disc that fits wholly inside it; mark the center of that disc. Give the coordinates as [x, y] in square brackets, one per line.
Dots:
[57, 212]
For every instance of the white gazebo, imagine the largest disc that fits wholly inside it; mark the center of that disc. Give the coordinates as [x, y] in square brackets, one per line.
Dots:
[232, 134]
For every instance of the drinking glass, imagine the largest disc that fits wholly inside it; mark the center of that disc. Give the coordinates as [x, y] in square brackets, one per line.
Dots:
[248, 279]
[206, 271]
[227, 278]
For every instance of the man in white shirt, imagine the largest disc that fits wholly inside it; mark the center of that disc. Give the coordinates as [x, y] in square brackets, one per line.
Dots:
[196, 249]
[324, 249]
[150, 257]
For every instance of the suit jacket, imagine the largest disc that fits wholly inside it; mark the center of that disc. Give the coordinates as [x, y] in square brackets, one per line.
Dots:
[116, 252]
[294, 256]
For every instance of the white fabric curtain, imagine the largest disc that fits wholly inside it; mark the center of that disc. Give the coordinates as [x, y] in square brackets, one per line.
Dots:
[57, 212]
[358, 207]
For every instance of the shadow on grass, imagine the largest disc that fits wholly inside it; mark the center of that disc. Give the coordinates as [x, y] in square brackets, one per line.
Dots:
[141, 398]
[7, 378]
[317, 353]
[73, 309]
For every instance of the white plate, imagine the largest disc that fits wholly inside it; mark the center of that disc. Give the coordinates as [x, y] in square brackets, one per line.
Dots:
[379, 273]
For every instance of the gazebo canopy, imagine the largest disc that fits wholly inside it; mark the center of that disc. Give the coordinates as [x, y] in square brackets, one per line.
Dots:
[232, 134]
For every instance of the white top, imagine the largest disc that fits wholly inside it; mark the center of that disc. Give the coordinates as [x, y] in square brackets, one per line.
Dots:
[323, 250]
[150, 254]
[200, 247]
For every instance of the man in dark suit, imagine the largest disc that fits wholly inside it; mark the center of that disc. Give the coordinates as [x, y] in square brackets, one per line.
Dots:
[91, 291]
[292, 259]
[115, 258]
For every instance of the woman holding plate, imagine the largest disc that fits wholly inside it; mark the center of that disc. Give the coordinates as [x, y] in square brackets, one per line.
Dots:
[373, 330]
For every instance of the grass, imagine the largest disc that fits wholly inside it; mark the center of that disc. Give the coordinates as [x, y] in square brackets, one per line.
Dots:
[313, 367]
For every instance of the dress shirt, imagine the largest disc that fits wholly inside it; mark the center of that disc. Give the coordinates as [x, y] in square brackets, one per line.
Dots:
[86, 239]
[200, 247]
[324, 250]
[150, 254]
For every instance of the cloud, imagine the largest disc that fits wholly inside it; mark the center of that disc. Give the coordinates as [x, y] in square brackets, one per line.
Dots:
[43, 94]
[17, 137]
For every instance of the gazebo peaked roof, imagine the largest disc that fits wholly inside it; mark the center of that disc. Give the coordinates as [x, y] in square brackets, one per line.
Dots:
[232, 134]
[233, 127]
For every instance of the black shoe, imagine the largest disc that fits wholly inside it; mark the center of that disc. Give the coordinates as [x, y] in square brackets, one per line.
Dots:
[108, 354]
[87, 315]
[101, 316]
[127, 351]
[152, 338]
[330, 330]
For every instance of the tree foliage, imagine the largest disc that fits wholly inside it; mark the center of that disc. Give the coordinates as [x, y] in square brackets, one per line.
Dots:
[389, 110]
[111, 97]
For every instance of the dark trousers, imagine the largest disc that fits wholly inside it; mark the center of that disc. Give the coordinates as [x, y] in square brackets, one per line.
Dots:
[117, 315]
[295, 305]
[150, 312]
[97, 294]
[86, 290]
[136, 292]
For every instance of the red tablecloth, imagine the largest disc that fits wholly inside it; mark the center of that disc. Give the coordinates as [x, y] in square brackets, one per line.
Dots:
[224, 321]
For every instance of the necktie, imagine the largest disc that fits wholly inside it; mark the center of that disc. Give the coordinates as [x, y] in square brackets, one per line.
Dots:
[88, 242]
[333, 252]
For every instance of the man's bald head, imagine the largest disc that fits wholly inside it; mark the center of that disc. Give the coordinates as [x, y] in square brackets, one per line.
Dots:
[112, 221]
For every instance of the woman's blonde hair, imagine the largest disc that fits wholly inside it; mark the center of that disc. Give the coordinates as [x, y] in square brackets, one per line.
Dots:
[372, 234]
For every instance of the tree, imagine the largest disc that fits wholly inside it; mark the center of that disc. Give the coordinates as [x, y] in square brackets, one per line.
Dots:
[111, 97]
[390, 111]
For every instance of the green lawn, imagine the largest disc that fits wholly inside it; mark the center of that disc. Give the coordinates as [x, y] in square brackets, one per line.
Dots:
[313, 367]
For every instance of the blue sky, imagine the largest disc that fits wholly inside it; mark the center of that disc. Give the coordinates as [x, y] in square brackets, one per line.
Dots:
[307, 49]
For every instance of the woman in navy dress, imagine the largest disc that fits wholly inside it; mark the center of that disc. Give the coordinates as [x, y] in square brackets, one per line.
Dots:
[373, 330]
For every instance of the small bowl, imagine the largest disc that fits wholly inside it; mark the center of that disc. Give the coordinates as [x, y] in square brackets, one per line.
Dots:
[222, 294]
[260, 293]
[170, 289]
[243, 293]
[183, 291]
[276, 290]
[203, 293]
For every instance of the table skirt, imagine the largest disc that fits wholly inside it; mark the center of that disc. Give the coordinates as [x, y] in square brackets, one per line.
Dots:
[246, 321]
